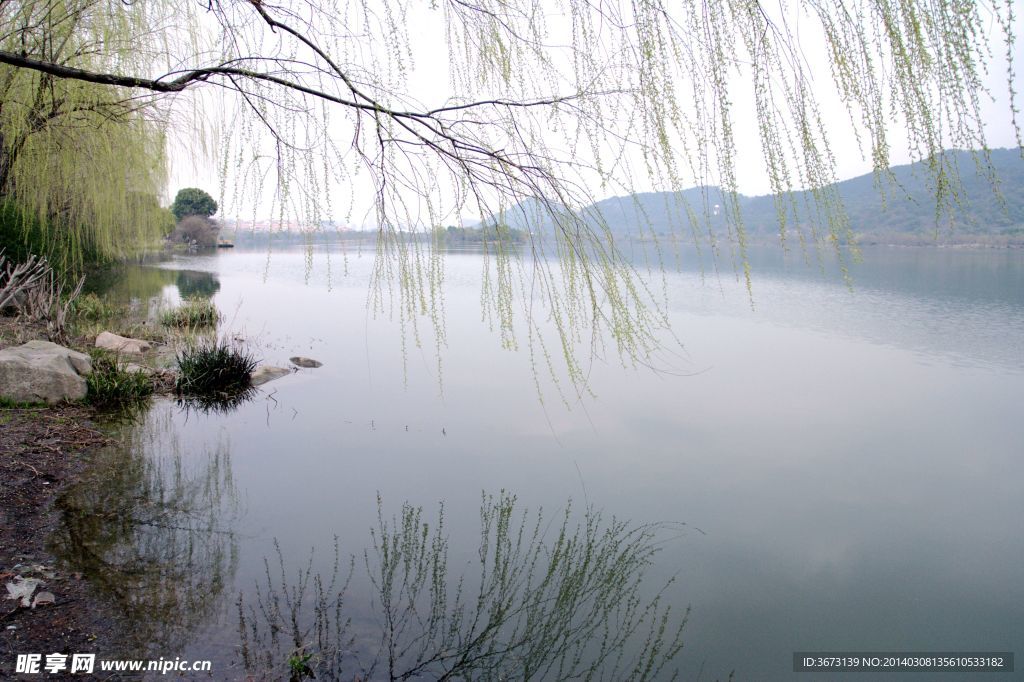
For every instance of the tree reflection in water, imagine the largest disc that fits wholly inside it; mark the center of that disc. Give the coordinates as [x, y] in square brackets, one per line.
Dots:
[547, 601]
[150, 528]
[192, 283]
[143, 285]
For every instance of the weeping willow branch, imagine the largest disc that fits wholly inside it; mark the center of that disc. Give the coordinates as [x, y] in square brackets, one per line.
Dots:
[548, 110]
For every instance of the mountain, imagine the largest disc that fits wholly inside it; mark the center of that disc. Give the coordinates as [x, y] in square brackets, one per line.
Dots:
[898, 206]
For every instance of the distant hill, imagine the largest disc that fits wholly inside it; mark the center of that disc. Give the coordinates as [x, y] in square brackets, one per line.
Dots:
[900, 207]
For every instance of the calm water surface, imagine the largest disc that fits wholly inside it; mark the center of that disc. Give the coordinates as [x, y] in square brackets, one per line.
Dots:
[849, 463]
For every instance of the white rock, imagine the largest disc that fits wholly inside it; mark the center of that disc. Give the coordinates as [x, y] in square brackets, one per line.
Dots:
[121, 344]
[305, 362]
[22, 588]
[40, 371]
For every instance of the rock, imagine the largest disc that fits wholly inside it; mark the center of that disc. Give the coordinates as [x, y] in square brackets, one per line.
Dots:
[15, 305]
[43, 598]
[121, 344]
[265, 373]
[132, 367]
[22, 589]
[42, 371]
[305, 362]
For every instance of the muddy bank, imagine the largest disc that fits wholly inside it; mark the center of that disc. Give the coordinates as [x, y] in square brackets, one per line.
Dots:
[43, 451]
[108, 566]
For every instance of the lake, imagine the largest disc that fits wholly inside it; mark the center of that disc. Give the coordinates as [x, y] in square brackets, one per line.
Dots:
[848, 460]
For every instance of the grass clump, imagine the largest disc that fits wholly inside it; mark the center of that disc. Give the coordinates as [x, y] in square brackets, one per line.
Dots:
[92, 308]
[214, 369]
[194, 313]
[112, 384]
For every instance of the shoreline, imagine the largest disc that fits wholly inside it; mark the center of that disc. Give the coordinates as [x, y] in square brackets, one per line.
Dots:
[43, 452]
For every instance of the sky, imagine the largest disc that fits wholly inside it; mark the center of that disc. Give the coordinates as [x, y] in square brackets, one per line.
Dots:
[428, 82]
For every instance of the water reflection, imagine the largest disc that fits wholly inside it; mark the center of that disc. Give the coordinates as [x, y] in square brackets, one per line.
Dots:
[853, 456]
[549, 599]
[125, 284]
[217, 403]
[153, 533]
[192, 283]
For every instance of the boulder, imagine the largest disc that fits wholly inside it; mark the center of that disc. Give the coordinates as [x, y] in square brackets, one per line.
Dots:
[121, 344]
[300, 361]
[265, 373]
[40, 371]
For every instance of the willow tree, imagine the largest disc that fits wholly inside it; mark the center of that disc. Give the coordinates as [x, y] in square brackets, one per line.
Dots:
[547, 107]
[81, 165]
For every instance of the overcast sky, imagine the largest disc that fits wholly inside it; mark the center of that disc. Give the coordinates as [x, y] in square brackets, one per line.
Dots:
[429, 83]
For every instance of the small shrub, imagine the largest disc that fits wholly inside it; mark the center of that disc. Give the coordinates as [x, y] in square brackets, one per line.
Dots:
[111, 384]
[194, 313]
[202, 231]
[214, 369]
